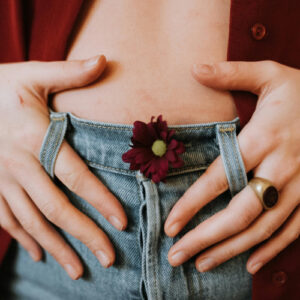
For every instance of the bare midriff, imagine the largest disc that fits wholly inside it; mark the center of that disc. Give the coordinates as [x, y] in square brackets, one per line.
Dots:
[150, 47]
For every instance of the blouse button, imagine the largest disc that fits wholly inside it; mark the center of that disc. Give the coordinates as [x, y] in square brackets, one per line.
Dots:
[279, 278]
[258, 31]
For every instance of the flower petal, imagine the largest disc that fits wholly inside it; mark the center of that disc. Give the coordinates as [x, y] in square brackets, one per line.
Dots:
[171, 155]
[144, 156]
[181, 148]
[170, 134]
[141, 134]
[134, 166]
[173, 144]
[141, 156]
[178, 164]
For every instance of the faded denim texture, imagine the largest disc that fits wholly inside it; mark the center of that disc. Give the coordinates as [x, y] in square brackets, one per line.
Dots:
[141, 269]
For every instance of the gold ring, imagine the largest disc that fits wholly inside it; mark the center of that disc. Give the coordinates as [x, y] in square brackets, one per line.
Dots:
[265, 191]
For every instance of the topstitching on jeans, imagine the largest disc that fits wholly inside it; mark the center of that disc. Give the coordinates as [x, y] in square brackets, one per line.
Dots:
[172, 172]
[228, 165]
[129, 127]
[53, 148]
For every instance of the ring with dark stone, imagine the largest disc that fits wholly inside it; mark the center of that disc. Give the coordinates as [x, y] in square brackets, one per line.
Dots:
[265, 191]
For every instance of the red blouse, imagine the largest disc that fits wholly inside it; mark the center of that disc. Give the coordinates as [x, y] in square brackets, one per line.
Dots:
[259, 29]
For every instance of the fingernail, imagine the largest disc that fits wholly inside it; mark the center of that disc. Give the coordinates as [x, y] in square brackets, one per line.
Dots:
[116, 222]
[203, 69]
[71, 271]
[103, 258]
[92, 61]
[179, 257]
[34, 256]
[205, 264]
[255, 267]
[173, 229]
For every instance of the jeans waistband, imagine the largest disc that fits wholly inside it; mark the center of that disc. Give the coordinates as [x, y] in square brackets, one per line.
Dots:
[102, 144]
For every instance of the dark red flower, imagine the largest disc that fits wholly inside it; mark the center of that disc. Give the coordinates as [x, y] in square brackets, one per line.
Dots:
[153, 149]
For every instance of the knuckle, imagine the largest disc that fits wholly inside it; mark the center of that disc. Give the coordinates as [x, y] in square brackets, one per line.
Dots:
[293, 235]
[270, 65]
[10, 226]
[227, 69]
[218, 185]
[267, 232]
[59, 251]
[230, 252]
[10, 162]
[30, 225]
[74, 179]
[201, 243]
[90, 242]
[93, 240]
[244, 220]
[52, 210]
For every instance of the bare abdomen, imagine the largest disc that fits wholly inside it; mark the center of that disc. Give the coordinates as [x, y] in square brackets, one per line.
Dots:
[150, 47]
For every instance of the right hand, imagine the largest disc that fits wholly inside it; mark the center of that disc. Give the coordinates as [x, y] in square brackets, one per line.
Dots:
[29, 199]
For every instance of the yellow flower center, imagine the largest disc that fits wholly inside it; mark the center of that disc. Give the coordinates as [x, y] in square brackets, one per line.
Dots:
[159, 148]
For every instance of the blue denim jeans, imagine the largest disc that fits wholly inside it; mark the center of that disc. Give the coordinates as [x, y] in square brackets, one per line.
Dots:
[141, 269]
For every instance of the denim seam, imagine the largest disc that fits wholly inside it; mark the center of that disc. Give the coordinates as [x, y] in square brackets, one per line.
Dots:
[236, 159]
[58, 118]
[186, 170]
[227, 129]
[132, 173]
[130, 129]
[139, 233]
[49, 162]
[228, 165]
[154, 260]
[101, 126]
[110, 127]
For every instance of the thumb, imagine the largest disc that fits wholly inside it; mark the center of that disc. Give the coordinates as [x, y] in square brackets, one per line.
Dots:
[238, 75]
[61, 75]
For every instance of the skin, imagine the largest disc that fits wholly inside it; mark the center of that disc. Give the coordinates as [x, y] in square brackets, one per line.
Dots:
[29, 199]
[141, 78]
[270, 146]
[150, 47]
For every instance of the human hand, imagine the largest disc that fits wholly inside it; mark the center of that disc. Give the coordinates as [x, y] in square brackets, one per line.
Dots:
[28, 196]
[270, 146]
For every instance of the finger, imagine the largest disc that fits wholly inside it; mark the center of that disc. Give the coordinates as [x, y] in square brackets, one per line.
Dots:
[13, 227]
[60, 75]
[288, 234]
[269, 166]
[35, 224]
[214, 181]
[261, 230]
[239, 75]
[74, 173]
[238, 215]
[54, 204]
[241, 211]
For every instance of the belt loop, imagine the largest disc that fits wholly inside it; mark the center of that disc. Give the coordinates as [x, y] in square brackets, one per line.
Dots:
[52, 140]
[231, 157]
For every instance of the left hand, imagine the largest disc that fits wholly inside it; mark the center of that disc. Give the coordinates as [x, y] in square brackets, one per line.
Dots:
[270, 146]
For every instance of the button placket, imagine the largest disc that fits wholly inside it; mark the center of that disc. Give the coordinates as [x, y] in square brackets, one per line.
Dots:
[150, 222]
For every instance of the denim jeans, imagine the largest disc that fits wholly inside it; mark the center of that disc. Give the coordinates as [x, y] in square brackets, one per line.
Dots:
[141, 269]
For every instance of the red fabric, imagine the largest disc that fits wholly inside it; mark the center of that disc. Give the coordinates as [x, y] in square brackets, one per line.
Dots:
[11, 31]
[281, 43]
[39, 30]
